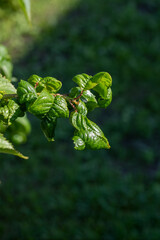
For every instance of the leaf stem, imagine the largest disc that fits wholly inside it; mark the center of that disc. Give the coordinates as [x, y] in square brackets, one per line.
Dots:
[78, 97]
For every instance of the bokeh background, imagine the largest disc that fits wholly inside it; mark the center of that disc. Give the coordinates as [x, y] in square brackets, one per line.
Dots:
[60, 193]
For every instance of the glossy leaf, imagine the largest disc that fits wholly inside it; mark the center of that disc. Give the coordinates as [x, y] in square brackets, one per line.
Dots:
[26, 92]
[26, 7]
[90, 100]
[82, 80]
[74, 92]
[42, 105]
[79, 143]
[59, 108]
[88, 132]
[104, 81]
[7, 147]
[34, 80]
[51, 84]
[81, 108]
[6, 86]
[48, 126]
[105, 102]
[9, 111]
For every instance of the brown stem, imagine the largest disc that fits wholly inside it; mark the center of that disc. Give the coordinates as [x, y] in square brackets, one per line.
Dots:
[69, 100]
[77, 98]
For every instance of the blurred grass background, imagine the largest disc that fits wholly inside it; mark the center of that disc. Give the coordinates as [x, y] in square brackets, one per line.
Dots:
[60, 193]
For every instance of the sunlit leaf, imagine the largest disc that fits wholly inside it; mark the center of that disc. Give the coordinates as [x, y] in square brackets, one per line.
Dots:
[7, 147]
[6, 86]
[42, 105]
[26, 92]
[88, 132]
[26, 7]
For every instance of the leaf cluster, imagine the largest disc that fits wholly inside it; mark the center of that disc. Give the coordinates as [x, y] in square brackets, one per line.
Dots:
[41, 97]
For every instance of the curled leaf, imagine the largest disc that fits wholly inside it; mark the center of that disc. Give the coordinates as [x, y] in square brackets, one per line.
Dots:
[81, 108]
[48, 126]
[88, 132]
[79, 143]
[104, 81]
[34, 80]
[82, 80]
[90, 100]
[51, 84]
[105, 102]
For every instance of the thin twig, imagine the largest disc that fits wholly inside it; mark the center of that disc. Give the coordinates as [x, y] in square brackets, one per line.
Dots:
[77, 98]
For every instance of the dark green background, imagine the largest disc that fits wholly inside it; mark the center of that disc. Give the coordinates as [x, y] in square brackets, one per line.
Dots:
[60, 193]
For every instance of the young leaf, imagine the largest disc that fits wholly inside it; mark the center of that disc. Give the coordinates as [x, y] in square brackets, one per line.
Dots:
[42, 105]
[9, 111]
[7, 147]
[59, 108]
[6, 86]
[82, 80]
[88, 132]
[26, 92]
[81, 108]
[105, 102]
[48, 126]
[90, 100]
[79, 143]
[104, 81]
[26, 7]
[34, 80]
[74, 92]
[51, 84]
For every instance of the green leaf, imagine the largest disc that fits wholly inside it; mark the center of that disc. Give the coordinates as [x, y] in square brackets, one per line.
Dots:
[81, 108]
[90, 100]
[9, 111]
[19, 130]
[59, 108]
[51, 84]
[79, 143]
[104, 81]
[82, 80]
[105, 102]
[34, 80]
[6, 86]
[7, 147]
[42, 105]
[6, 66]
[48, 126]
[26, 7]
[26, 92]
[3, 126]
[74, 92]
[88, 132]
